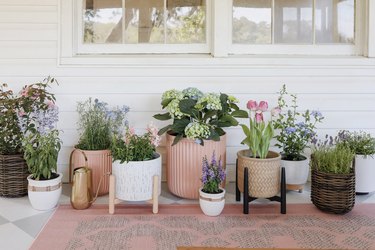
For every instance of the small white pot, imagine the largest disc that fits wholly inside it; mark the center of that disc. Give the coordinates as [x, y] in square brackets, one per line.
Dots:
[134, 179]
[45, 194]
[212, 204]
[296, 172]
[364, 174]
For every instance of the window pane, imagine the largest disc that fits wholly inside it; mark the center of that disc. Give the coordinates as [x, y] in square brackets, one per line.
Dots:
[334, 21]
[252, 21]
[293, 21]
[186, 21]
[102, 21]
[144, 21]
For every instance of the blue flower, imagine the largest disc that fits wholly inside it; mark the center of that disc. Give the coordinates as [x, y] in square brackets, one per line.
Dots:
[290, 130]
[301, 124]
[316, 114]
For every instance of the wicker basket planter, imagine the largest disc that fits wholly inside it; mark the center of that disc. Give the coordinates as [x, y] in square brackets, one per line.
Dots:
[334, 193]
[264, 174]
[13, 176]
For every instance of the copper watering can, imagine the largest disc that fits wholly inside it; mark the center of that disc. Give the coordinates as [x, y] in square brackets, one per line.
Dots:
[82, 193]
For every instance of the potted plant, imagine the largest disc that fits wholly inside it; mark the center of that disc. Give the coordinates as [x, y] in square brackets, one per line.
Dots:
[37, 117]
[13, 168]
[332, 178]
[97, 124]
[211, 195]
[296, 129]
[136, 171]
[258, 168]
[363, 145]
[196, 131]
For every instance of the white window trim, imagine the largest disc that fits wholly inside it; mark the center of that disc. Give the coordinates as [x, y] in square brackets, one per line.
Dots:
[220, 48]
[309, 49]
[84, 49]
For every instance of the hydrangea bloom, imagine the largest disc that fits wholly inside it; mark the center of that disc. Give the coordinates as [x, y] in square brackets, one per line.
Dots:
[213, 101]
[197, 130]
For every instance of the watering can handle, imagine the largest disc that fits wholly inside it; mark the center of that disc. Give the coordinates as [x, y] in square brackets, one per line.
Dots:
[71, 169]
[100, 183]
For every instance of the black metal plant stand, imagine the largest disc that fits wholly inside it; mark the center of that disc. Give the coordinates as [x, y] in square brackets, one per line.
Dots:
[247, 199]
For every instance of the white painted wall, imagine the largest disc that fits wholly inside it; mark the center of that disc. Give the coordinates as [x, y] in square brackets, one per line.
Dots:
[342, 88]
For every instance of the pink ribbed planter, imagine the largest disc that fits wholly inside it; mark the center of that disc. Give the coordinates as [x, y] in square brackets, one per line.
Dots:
[100, 162]
[184, 164]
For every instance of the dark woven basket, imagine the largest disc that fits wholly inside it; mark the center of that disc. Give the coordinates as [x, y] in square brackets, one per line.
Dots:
[13, 176]
[333, 193]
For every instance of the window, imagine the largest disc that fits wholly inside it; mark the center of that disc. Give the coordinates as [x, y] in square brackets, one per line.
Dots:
[295, 22]
[132, 26]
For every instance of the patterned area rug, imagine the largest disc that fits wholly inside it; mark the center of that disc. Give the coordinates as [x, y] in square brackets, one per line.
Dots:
[135, 227]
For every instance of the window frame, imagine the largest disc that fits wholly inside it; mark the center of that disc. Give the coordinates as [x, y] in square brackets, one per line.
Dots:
[84, 49]
[338, 49]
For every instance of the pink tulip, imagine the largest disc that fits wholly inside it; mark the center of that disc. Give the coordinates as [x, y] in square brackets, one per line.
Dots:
[263, 106]
[259, 117]
[252, 105]
[275, 111]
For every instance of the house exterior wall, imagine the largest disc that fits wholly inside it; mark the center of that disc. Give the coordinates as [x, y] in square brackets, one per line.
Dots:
[342, 88]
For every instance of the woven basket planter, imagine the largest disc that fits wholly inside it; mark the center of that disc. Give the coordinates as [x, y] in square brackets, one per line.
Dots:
[264, 174]
[333, 193]
[13, 176]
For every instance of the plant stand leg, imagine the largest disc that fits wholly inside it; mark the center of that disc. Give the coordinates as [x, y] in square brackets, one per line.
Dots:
[238, 194]
[112, 184]
[283, 192]
[155, 196]
[246, 191]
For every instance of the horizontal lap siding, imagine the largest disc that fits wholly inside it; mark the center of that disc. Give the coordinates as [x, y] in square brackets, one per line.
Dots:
[28, 53]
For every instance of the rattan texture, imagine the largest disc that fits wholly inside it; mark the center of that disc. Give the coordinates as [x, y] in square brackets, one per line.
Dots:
[264, 174]
[13, 176]
[333, 193]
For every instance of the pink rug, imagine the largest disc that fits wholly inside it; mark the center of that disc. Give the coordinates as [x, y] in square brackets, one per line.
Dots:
[135, 227]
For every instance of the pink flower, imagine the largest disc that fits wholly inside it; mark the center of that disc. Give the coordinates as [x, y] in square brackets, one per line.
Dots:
[50, 104]
[259, 117]
[21, 113]
[263, 106]
[275, 111]
[25, 91]
[252, 105]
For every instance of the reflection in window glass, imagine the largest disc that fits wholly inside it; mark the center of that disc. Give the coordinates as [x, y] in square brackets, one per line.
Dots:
[186, 21]
[135, 22]
[252, 21]
[293, 21]
[334, 21]
[102, 21]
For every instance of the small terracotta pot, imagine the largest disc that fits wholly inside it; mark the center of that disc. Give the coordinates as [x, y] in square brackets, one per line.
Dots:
[100, 163]
[184, 164]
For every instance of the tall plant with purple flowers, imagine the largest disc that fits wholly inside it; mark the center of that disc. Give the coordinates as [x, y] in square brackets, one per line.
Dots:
[212, 175]
[296, 128]
[37, 118]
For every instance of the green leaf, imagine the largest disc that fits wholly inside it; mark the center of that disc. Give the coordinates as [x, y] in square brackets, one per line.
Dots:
[162, 117]
[228, 119]
[177, 139]
[220, 131]
[209, 114]
[187, 106]
[234, 106]
[240, 114]
[165, 129]
[165, 102]
[214, 135]
[245, 129]
[179, 125]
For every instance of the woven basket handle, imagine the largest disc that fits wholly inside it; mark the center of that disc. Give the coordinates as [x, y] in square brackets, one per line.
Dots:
[71, 162]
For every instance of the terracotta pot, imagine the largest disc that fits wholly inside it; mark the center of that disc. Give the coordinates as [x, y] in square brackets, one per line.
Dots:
[264, 174]
[100, 163]
[184, 164]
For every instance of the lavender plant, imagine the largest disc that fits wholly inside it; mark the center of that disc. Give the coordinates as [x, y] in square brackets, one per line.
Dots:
[212, 175]
[198, 116]
[361, 143]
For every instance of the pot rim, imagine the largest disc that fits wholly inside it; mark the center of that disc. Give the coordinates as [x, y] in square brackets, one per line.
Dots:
[169, 136]
[241, 154]
[60, 175]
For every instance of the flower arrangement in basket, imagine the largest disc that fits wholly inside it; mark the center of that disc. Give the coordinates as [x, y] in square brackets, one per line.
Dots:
[197, 115]
[296, 128]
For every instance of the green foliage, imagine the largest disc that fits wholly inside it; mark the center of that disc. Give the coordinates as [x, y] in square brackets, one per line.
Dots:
[198, 116]
[10, 133]
[97, 124]
[296, 128]
[332, 159]
[361, 143]
[41, 152]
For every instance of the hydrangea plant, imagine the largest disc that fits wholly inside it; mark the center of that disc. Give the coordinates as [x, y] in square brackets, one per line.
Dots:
[197, 115]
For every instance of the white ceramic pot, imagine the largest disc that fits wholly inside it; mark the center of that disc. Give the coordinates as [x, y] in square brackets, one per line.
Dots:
[134, 179]
[212, 204]
[364, 174]
[44, 195]
[296, 172]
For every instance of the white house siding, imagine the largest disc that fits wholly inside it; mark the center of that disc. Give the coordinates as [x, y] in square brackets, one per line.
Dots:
[343, 89]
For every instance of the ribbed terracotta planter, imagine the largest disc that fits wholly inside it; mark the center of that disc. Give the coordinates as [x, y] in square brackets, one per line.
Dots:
[184, 164]
[100, 162]
[264, 174]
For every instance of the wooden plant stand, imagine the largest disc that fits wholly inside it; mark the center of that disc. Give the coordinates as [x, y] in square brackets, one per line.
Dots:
[113, 200]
